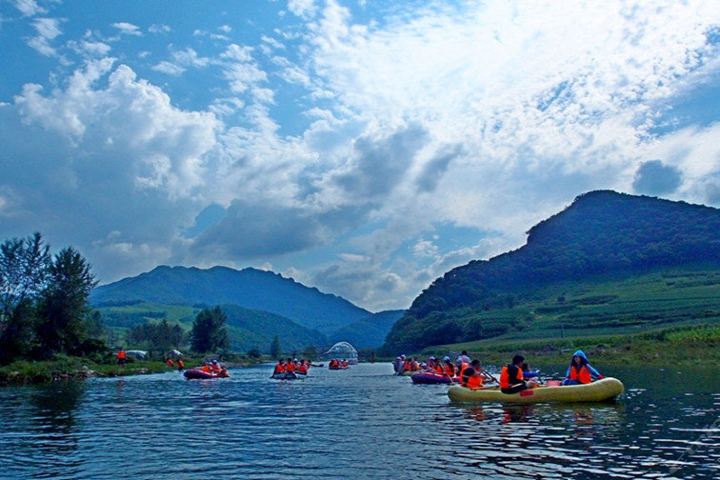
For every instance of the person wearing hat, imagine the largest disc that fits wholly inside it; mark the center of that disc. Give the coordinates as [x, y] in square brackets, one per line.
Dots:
[448, 368]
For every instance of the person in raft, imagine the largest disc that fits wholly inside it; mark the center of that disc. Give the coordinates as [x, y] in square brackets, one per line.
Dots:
[463, 357]
[511, 377]
[180, 365]
[280, 366]
[580, 371]
[472, 377]
[169, 362]
[448, 368]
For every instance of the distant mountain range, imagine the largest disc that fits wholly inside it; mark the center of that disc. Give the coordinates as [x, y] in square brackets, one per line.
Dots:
[603, 234]
[248, 288]
[259, 305]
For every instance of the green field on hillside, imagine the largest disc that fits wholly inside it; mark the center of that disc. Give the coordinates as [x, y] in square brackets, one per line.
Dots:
[667, 309]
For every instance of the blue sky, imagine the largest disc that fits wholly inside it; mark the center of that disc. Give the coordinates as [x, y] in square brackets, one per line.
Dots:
[361, 147]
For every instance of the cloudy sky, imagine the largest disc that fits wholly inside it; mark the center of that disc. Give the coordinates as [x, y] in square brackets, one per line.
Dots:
[363, 148]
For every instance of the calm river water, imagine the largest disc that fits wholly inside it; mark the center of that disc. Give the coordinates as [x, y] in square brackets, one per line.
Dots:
[360, 423]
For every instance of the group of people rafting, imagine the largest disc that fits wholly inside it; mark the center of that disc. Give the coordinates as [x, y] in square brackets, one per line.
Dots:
[514, 377]
[337, 364]
[290, 365]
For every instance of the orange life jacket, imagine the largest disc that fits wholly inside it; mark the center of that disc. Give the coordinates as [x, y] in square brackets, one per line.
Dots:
[205, 369]
[505, 380]
[582, 375]
[407, 365]
[474, 382]
[438, 368]
[461, 370]
[302, 369]
[169, 362]
[291, 367]
[121, 355]
[450, 370]
[279, 368]
[180, 364]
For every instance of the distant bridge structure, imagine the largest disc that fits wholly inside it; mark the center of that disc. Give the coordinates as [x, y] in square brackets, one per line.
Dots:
[342, 351]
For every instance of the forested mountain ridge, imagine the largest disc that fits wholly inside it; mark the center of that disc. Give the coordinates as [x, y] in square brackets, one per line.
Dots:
[248, 288]
[603, 233]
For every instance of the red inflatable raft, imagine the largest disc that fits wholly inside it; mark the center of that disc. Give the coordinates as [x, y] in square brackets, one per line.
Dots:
[197, 374]
[430, 378]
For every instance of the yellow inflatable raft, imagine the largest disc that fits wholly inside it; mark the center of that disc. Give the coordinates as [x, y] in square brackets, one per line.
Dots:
[601, 390]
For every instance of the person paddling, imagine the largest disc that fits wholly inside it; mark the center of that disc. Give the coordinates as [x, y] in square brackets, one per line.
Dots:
[472, 377]
[580, 371]
[180, 364]
[511, 377]
[448, 368]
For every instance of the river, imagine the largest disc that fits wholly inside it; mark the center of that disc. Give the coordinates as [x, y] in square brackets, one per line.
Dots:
[359, 423]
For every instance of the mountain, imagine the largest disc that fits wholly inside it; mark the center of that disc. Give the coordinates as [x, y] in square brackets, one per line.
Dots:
[368, 332]
[248, 288]
[603, 234]
[247, 328]
[256, 329]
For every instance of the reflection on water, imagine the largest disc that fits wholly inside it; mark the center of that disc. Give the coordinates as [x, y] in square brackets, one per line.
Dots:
[360, 423]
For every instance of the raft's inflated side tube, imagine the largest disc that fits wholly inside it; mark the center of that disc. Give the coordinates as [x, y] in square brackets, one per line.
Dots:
[197, 374]
[430, 378]
[288, 376]
[602, 390]
[338, 368]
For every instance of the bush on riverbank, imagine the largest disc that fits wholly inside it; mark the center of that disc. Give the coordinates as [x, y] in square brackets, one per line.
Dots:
[62, 367]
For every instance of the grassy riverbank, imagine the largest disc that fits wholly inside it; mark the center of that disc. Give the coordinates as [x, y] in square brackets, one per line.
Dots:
[65, 368]
[671, 346]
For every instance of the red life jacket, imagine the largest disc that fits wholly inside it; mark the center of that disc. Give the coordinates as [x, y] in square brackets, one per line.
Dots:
[169, 362]
[438, 368]
[291, 367]
[302, 369]
[582, 374]
[505, 380]
[450, 370]
[181, 364]
[279, 368]
[121, 355]
[461, 370]
[474, 382]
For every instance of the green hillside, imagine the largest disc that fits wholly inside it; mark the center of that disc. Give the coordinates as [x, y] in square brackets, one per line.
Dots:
[609, 261]
[369, 332]
[247, 328]
[248, 288]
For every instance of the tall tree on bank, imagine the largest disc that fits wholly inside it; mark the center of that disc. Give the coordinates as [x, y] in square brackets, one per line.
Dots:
[63, 305]
[208, 332]
[275, 350]
[24, 271]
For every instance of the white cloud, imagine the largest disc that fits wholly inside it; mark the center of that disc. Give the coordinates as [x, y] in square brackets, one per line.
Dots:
[168, 68]
[47, 30]
[126, 28]
[29, 7]
[225, 28]
[302, 8]
[90, 48]
[159, 28]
